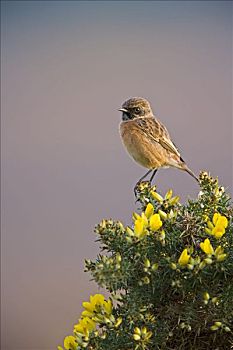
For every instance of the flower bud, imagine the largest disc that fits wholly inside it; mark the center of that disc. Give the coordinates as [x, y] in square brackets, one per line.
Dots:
[173, 266]
[162, 214]
[129, 231]
[190, 266]
[118, 258]
[137, 330]
[157, 196]
[146, 280]
[174, 200]
[215, 300]
[221, 257]
[202, 265]
[168, 195]
[147, 263]
[118, 322]
[155, 267]
[136, 337]
[206, 296]
[208, 261]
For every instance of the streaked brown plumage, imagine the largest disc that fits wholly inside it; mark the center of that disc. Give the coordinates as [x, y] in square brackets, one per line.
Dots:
[147, 139]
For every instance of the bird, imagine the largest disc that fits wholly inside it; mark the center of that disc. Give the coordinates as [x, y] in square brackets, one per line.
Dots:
[147, 140]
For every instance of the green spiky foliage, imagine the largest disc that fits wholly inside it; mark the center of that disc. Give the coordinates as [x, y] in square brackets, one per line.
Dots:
[169, 275]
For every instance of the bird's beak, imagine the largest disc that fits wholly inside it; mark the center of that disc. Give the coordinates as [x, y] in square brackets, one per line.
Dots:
[123, 110]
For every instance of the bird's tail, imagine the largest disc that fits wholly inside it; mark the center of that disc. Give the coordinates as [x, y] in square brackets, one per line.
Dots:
[186, 168]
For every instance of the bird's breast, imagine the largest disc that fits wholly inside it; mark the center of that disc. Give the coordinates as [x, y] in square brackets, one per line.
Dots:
[139, 146]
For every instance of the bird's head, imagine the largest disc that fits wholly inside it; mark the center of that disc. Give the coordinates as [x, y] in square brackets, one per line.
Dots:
[134, 108]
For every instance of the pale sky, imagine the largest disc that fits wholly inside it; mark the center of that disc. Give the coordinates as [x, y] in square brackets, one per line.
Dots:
[67, 66]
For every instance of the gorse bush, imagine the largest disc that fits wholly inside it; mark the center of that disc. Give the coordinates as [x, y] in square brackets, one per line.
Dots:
[169, 275]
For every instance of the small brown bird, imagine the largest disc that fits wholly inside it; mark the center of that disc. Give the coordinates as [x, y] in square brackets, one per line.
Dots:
[147, 140]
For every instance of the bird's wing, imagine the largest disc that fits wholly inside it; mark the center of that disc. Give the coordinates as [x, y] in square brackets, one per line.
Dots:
[157, 132]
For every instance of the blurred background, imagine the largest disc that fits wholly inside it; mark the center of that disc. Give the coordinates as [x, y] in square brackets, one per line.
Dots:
[67, 66]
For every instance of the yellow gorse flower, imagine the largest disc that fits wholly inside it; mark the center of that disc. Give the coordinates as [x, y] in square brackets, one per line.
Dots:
[147, 220]
[184, 258]
[97, 310]
[155, 222]
[85, 326]
[97, 305]
[168, 199]
[139, 228]
[149, 210]
[142, 334]
[218, 225]
[70, 343]
[141, 223]
[206, 246]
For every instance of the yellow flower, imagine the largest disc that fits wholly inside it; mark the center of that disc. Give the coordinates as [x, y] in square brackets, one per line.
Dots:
[140, 225]
[217, 233]
[70, 343]
[145, 334]
[137, 334]
[95, 300]
[219, 219]
[85, 326]
[149, 210]
[108, 307]
[141, 218]
[217, 226]
[139, 228]
[184, 258]
[97, 305]
[142, 334]
[155, 222]
[207, 247]
[144, 220]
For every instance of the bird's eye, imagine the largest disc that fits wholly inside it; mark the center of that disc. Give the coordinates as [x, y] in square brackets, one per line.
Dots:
[137, 110]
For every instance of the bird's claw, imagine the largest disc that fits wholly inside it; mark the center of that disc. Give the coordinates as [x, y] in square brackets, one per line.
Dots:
[139, 187]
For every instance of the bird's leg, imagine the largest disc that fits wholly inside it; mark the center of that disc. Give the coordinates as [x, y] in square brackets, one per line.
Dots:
[152, 176]
[135, 187]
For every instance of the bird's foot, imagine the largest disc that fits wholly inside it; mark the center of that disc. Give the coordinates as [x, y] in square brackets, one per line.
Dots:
[140, 186]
